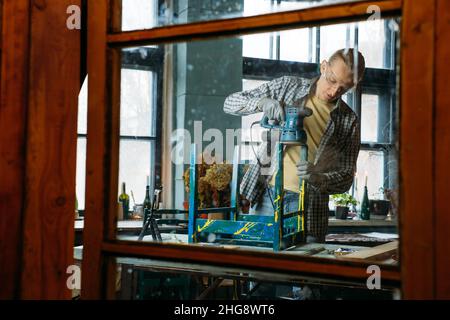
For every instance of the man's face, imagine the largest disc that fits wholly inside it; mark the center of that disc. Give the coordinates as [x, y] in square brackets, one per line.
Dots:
[335, 80]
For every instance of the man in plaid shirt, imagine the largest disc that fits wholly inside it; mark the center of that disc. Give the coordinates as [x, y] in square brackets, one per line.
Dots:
[333, 139]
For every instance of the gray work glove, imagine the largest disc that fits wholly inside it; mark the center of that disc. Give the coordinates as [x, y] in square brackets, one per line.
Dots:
[307, 172]
[272, 109]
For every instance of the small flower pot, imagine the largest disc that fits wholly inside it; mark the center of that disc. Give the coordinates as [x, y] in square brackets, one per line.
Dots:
[341, 212]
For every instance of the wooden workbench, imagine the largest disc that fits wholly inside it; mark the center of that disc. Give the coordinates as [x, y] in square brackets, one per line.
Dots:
[374, 222]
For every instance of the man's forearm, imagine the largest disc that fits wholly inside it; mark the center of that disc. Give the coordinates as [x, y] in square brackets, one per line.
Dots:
[238, 104]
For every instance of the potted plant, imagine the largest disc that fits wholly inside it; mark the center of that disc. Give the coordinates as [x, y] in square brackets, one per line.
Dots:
[342, 202]
[213, 187]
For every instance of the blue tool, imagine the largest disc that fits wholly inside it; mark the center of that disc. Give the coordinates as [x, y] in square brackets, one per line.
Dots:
[292, 134]
[292, 130]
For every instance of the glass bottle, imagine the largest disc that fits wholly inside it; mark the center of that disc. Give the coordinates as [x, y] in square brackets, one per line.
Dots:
[124, 200]
[365, 210]
[147, 202]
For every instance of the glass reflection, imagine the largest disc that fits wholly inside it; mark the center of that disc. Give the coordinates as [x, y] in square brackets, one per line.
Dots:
[175, 95]
[146, 14]
[143, 279]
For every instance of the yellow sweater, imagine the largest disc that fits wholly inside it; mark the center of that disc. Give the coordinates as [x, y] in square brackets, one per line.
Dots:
[315, 127]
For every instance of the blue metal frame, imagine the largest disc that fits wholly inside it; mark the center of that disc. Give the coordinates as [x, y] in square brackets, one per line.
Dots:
[278, 231]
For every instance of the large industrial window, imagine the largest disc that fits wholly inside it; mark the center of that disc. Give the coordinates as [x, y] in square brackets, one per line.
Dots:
[140, 126]
[374, 101]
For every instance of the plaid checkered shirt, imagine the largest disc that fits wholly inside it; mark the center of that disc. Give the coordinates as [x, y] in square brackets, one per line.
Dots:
[336, 154]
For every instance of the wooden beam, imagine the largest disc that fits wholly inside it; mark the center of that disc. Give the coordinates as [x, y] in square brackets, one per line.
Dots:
[327, 14]
[48, 228]
[442, 150]
[381, 252]
[13, 113]
[267, 261]
[416, 150]
[114, 59]
[98, 155]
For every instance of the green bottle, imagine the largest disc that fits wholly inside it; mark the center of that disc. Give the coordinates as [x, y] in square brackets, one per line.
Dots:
[124, 200]
[147, 202]
[365, 210]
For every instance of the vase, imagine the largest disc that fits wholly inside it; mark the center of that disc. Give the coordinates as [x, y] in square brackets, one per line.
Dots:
[341, 212]
[365, 209]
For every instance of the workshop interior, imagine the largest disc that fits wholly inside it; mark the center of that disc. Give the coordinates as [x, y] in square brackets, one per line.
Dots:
[224, 150]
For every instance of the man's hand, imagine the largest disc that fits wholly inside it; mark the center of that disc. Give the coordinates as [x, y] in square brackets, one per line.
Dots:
[272, 109]
[307, 172]
[305, 169]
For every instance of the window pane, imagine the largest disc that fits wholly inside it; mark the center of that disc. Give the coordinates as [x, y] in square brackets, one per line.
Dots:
[211, 93]
[150, 279]
[81, 172]
[138, 14]
[371, 41]
[145, 14]
[82, 108]
[136, 114]
[335, 37]
[296, 45]
[369, 118]
[371, 165]
[134, 168]
[257, 46]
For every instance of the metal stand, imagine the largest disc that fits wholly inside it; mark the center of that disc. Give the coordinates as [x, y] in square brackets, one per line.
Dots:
[278, 231]
[150, 221]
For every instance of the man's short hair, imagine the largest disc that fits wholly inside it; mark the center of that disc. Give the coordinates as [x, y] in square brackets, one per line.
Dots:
[353, 59]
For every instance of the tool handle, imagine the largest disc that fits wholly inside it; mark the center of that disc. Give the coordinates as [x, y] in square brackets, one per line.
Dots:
[264, 123]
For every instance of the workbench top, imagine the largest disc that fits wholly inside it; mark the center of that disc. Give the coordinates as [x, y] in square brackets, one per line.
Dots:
[375, 221]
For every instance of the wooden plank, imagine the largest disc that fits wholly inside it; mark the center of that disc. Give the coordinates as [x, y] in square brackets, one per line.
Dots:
[442, 150]
[381, 252]
[54, 79]
[113, 140]
[326, 14]
[13, 112]
[97, 154]
[262, 260]
[416, 150]
[113, 147]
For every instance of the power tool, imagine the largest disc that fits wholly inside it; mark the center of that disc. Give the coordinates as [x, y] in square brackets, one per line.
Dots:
[292, 134]
[292, 130]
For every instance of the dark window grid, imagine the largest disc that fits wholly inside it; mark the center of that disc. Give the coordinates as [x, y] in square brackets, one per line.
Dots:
[266, 69]
[149, 59]
[386, 136]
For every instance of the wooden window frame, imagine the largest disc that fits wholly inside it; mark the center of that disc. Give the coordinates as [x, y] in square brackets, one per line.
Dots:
[416, 271]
